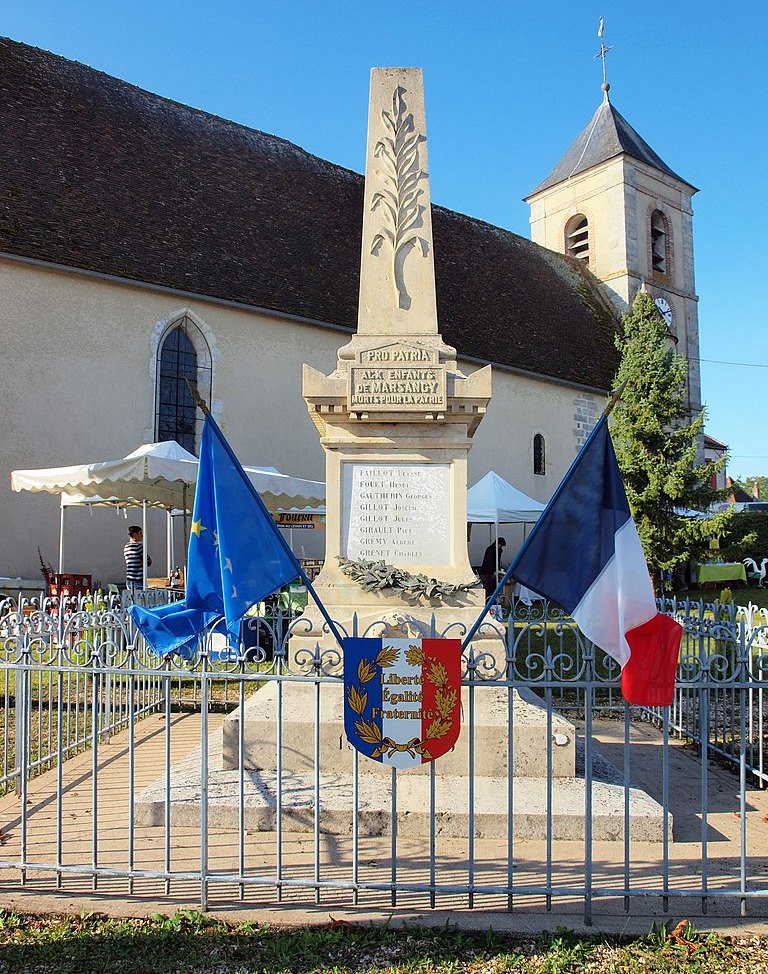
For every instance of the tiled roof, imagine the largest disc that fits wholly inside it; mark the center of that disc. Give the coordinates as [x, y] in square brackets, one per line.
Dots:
[606, 135]
[711, 443]
[100, 175]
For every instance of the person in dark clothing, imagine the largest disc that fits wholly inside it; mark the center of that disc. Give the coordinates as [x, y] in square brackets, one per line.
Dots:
[488, 567]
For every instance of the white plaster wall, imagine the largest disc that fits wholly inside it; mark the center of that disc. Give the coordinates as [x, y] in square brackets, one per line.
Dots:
[77, 387]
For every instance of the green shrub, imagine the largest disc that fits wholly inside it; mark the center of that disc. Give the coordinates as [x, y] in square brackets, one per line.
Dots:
[746, 537]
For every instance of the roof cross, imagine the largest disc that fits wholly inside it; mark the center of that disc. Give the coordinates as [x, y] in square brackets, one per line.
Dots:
[602, 54]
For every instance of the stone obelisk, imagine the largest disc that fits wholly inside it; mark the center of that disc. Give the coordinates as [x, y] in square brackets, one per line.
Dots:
[396, 417]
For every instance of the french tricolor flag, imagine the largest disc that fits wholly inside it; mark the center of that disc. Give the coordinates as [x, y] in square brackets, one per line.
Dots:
[585, 554]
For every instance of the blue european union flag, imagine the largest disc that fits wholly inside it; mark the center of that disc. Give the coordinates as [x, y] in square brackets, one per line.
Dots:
[236, 555]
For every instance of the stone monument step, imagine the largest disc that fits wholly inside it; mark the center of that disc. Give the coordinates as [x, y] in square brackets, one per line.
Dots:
[452, 819]
[491, 716]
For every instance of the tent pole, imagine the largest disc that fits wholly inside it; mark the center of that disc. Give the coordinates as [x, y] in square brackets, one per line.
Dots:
[168, 543]
[62, 513]
[144, 543]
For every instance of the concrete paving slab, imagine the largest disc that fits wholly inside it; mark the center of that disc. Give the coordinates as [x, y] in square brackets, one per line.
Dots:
[534, 866]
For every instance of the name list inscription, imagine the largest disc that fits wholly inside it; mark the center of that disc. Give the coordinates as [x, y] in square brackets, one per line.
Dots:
[397, 378]
[399, 514]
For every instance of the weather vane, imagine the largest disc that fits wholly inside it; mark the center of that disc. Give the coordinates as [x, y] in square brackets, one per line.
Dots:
[602, 53]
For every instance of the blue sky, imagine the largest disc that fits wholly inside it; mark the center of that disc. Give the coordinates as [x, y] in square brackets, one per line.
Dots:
[508, 86]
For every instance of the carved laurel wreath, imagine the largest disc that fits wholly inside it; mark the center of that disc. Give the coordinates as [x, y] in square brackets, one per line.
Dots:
[373, 576]
[445, 700]
[398, 199]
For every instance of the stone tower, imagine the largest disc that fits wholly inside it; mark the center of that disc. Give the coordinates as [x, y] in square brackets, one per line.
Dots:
[612, 202]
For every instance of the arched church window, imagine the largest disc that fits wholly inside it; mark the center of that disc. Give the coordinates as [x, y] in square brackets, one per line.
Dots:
[659, 242]
[183, 354]
[577, 237]
[539, 459]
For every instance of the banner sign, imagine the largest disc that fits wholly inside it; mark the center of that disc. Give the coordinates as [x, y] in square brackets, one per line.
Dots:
[402, 698]
[305, 521]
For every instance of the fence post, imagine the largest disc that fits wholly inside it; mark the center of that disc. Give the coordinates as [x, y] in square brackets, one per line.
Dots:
[22, 721]
[21, 717]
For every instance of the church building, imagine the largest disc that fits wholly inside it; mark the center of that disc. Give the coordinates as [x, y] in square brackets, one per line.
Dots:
[143, 242]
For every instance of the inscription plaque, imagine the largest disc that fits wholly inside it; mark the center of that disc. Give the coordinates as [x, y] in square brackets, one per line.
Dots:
[397, 378]
[398, 513]
[397, 389]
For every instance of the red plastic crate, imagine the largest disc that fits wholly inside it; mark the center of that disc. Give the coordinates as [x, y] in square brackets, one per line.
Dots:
[69, 585]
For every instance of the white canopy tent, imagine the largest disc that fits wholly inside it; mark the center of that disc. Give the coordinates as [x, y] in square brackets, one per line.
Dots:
[493, 500]
[81, 500]
[161, 475]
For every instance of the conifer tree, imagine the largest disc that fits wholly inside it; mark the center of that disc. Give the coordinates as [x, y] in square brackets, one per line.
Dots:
[658, 449]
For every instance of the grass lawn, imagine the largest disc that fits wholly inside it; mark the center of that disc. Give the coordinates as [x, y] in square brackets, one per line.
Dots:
[190, 942]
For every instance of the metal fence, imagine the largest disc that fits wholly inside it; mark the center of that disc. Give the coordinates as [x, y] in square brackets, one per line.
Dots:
[726, 654]
[126, 770]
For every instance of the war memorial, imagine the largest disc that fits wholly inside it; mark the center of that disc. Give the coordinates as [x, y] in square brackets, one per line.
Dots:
[396, 420]
[509, 772]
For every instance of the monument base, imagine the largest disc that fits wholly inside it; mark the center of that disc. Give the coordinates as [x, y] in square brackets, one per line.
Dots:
[532, 814]
[491, 708]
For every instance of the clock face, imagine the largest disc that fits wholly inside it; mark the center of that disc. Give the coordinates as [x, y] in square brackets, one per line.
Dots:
[665, 310]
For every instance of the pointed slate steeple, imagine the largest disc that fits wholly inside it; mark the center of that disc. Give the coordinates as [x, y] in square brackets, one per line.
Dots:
[607, 135]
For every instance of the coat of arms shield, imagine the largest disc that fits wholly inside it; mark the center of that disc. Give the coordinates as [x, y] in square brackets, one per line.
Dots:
[402, 698]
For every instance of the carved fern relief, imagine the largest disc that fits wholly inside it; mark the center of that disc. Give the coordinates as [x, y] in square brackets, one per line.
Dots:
[398, 199]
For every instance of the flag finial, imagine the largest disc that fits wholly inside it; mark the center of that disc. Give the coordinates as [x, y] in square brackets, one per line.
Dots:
[199, 401]
[602, 54]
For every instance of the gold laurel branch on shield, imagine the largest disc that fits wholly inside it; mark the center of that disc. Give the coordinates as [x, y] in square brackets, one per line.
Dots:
[388, 656]
[370, 733]
[365, 671]
[436, 674]
[357, 699]
[445, 700]
[415, 656]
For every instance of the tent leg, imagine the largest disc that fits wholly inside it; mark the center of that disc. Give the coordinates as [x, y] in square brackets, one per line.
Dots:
[145, 542]
[61, 533]
[168, 543]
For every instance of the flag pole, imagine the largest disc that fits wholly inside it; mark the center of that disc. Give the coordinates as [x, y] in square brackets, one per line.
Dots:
[523, 548]
[203, 406]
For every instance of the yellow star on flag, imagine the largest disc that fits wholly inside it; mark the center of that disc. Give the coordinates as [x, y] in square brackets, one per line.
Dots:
[198, 527]
[227, 565]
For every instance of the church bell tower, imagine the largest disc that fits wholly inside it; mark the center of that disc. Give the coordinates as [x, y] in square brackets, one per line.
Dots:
[613, 203]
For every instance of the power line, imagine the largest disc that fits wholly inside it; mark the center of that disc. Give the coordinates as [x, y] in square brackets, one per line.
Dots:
[747, 365]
